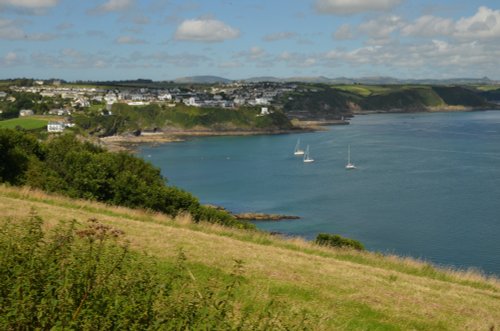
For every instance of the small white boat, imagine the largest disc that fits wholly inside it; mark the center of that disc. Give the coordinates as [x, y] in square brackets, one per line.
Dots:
[297, 150]
[349, 165]
[307, 158]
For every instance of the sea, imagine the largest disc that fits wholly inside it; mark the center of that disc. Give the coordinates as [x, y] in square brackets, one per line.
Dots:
[427, 185]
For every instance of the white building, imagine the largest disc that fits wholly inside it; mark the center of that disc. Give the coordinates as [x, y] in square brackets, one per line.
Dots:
[110, 98]
[55, 127]
[82, 102]
[137, 103]
[165, 96]
[261, 101]
[192, 101]
[264, 111]
[26, 112]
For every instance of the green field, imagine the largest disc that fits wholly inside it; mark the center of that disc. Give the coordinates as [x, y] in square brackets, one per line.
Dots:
[368, 90]
[27, 123]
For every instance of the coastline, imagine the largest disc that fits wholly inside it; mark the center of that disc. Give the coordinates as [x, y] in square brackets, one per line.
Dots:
[448, 109]
[129, 142]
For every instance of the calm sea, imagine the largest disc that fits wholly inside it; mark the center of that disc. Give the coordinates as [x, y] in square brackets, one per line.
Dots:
[426, 185]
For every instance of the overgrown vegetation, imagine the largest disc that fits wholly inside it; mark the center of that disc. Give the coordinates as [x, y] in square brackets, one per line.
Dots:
[335, 240]
[83, 170]
[124, 118]
[338, 289]
[86, 278]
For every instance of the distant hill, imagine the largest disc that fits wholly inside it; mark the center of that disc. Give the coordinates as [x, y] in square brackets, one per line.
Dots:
[209, 79]
[202, 80]
[375, 80]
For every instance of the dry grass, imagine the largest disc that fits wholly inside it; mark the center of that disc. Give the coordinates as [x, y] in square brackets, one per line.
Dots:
[345, 289]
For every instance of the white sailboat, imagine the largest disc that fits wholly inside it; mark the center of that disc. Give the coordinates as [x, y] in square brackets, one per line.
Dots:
[297, 150]
[349, 165]
[307, 158]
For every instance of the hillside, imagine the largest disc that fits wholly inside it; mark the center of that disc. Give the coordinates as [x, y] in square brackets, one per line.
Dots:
[128, 119]
[334, 101]
[334, 289]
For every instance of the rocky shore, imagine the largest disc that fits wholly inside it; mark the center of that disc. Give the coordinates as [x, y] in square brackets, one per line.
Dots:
[129, 142]
[264, 217]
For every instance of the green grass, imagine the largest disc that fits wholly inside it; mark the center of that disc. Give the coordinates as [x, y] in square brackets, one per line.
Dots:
[368, 90]
[356, 89]
[487, 87]
[27, 123]
[338, 289]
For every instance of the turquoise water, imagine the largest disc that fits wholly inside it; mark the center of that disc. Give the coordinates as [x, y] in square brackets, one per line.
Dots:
[427, 185]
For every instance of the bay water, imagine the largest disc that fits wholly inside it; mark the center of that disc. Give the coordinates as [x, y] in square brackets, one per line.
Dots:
[427, 185]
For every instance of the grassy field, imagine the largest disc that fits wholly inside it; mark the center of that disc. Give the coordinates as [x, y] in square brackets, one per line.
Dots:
[487, 87]
[28, 123]
[367, 90]
[337, 289]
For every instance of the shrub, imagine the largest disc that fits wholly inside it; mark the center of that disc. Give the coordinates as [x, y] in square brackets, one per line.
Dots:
[86, 278]
[82, 170]
[334, 240]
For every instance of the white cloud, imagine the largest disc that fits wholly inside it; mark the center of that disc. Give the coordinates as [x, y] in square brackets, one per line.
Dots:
[256, 56]
[253, 54]
[29, 4]
[69, 58]
[381, 29]
[159, 59]
[205, 30]
[297, 60]
[434, 58]
[112, 6]
[350, 7]
[429, 26]
[129, 40]
[279, 36]
[485, 24]
[11, 59]
[10, 30]
[344, 32]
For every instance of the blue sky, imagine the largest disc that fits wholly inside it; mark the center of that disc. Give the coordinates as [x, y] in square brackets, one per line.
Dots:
[166, 39]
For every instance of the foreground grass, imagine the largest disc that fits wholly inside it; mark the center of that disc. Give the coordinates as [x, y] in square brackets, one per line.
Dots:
[339, 289]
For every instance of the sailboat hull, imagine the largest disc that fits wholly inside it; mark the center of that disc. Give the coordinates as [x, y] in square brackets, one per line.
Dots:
[307, 159]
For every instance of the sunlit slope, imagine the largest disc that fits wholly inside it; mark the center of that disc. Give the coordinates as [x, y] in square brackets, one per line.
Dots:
[338, 289]
[339, 100]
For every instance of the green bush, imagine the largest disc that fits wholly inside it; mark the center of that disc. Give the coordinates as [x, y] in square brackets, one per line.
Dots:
[334, 240]
[86, 278]
[82, 170]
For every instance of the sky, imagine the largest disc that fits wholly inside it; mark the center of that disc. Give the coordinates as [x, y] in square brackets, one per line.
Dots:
[237, 39]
